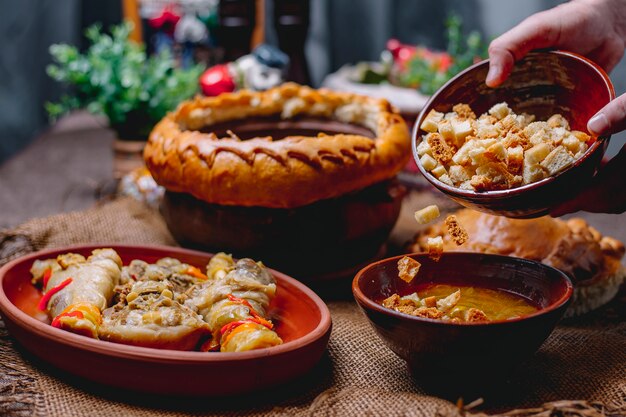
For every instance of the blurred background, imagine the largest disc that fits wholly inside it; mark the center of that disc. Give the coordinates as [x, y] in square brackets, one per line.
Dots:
[319, 37]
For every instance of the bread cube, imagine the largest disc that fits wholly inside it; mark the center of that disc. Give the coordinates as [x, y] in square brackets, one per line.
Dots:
[557, 120]
[515, 158]
[427, 214]
[558, 134]
[408, 268]
[445, 178]
[446, 131]
[485, 143]
[441, 151]
[455, 230]
[438, 171]
[464, 111]
[496, 152]
[484, 131]
[466, 185]
[461, 157]
[535, 127]
[424, 148]
[536, 154]
[434, 246]
[572, 144]
[556, 160]
[541, 136]
[500, 110]
[508, 123]
[581, 136]
[462, 129]
[524, 119]
[428, 162]
[514, 139]
[532, 173]
[487, 119]
[431, 121]
[458, 173]
[478, 156]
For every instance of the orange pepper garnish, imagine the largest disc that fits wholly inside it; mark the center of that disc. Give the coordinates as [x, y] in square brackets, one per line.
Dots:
[253, 312]
[43, 303]
[57, 320]
[195, 272]
[46, 276]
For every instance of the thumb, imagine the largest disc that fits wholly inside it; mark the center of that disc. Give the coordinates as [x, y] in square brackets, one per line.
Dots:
[610, 119]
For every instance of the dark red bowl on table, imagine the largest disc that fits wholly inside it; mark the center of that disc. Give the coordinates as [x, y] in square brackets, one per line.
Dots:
[443, 354]
[543, 84]
[301, 317]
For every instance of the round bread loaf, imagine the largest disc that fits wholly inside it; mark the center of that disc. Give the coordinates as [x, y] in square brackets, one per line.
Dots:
[591, 260]
[196, 150]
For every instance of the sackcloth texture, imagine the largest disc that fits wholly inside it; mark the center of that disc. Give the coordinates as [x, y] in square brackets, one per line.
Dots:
[583, 359]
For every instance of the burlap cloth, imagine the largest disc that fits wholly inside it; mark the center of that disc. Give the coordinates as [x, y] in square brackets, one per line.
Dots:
[583, 359]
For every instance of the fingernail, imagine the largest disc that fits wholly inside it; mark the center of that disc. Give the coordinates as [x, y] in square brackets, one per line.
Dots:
[598, 124]
[493, 75]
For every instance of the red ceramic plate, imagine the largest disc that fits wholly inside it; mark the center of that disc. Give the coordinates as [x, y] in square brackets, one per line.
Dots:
[301, 317]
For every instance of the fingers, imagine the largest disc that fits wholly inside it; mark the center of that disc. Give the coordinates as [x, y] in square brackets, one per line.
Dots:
[538, 31]
[610, 119]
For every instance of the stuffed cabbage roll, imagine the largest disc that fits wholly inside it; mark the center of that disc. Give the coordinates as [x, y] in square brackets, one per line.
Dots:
[76, 289]
[234, 303]
[180, 275]
[148, 315]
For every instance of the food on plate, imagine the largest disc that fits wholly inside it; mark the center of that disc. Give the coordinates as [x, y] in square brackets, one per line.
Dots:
[76, 290]
[498, 150]
[150, 312]
[461, 304]
[192, 150]
[427, 214]
[166, 305]
[408, 268]
[234, 302]
[591, 260]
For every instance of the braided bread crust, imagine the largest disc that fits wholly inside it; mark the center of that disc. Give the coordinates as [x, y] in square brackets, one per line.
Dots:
[280, 173]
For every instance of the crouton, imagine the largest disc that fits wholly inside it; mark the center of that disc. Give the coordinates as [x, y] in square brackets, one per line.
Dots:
[442, 152]
[455, 230]
[427, 214]
[408, 268]
[434, 246]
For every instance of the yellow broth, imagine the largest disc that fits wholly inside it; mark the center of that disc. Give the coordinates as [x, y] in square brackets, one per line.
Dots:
[496, 304]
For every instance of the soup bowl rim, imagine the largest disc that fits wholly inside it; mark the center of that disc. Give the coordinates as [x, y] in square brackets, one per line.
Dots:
[367, 303]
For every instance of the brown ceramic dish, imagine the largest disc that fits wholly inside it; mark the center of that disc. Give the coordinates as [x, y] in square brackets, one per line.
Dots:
[543, 84]
[345, 233]
[302, 320]
[441, 353]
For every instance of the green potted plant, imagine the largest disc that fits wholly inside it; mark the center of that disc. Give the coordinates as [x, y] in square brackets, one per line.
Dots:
[115, 78]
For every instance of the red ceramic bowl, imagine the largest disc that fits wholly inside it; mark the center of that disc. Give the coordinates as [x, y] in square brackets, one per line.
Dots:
[302, 320]
[543, 84]
[443, 354]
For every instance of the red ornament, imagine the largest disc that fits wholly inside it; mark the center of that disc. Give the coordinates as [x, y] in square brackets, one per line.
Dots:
[217, 80]
[166, 21]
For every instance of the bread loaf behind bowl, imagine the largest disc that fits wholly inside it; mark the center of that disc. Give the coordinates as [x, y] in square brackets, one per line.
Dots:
[591, 260]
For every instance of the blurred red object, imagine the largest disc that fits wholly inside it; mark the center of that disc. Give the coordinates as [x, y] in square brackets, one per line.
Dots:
[403, 53]
[166, 21]
[217, 80]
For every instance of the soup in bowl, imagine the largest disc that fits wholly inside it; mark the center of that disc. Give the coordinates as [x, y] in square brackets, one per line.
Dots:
[522, 302]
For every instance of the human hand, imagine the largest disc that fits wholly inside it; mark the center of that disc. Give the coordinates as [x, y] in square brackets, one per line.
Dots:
[594, 28]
